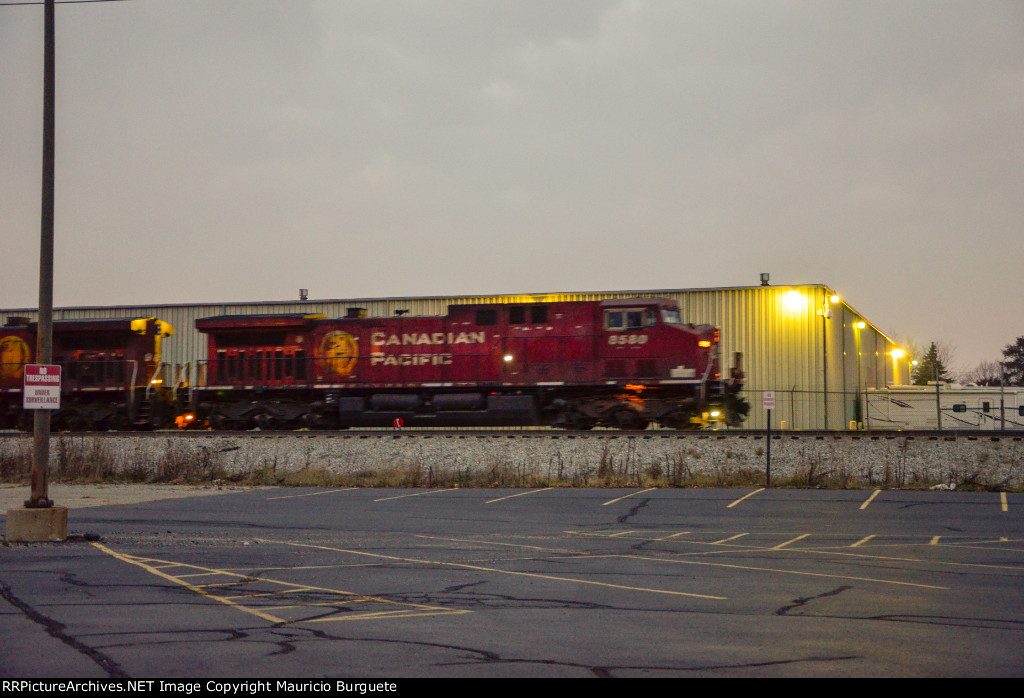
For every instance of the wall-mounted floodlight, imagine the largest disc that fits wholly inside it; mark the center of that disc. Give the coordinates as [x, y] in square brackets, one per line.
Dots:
[764, 278]
[861, 325]
[834, 299]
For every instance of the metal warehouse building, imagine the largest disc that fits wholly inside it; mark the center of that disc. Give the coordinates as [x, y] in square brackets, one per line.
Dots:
[804, 342]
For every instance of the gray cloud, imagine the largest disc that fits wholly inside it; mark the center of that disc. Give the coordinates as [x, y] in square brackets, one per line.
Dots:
[234, 151]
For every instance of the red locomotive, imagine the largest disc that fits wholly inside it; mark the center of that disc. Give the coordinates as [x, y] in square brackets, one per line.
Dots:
[617, 363]
[111, 373]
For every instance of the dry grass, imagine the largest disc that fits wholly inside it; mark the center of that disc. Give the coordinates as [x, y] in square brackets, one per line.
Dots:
[80, 459]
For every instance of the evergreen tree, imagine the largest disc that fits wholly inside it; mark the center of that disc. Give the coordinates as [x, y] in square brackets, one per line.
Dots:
[1014, 363]
[930, 367]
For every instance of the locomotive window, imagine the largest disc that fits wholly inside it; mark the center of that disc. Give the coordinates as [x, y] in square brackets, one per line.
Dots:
[613, 320]
[300, 365]
[517, 315]
[634, 319]
[671, 317]
[487, 317]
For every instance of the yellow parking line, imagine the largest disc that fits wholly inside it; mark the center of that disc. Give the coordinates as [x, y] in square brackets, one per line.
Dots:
[780, 546]
[862, 541]
[674, 535]
[496, 570]
[631, 494]
[312, 494]
[521, 494]
[726, 540]
[345, 597]
[751, 494]
[177, 580]
[1002, 499]
[414, 494]
[935, 540]
[776, 570]
[873, 495]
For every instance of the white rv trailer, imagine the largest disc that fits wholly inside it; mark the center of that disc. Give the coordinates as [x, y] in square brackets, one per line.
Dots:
[951, 406]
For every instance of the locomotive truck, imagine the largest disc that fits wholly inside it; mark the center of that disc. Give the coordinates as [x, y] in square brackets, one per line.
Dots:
[112, 376]
[623, 363]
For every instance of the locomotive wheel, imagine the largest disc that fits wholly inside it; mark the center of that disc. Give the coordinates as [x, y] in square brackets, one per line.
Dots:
[264, 421]
[70, 420]
[679, 419]
[625, 418]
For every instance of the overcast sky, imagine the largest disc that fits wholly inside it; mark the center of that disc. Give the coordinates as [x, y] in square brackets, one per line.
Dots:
[234, 150]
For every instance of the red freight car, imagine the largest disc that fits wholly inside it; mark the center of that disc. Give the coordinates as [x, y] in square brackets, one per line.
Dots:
[619, 363]
[110, 377]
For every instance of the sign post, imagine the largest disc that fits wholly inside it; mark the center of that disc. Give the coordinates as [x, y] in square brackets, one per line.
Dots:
[768, 402]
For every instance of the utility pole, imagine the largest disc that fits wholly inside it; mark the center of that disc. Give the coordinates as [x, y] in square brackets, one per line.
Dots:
[39, 520]
[44, 334]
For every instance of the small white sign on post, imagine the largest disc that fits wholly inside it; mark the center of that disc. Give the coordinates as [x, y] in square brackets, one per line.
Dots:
[41, 387]
[768, 400]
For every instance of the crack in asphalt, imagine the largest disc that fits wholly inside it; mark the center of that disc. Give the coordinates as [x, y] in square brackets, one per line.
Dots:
[57, 630]
[633, 512]
[288, 639]
[798, 603]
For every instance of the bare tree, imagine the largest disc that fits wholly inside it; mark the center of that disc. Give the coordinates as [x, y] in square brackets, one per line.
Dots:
[985, 373]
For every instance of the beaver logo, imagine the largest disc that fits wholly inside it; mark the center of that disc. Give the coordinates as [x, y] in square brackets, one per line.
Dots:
[14, 354]
[338, 353]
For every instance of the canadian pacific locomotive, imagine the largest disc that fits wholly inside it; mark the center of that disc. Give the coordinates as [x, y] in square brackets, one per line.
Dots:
[616, 363]
[111, 373]
[622, 363]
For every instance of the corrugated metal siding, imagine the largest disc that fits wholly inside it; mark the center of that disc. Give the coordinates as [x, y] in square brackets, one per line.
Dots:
[789, 344]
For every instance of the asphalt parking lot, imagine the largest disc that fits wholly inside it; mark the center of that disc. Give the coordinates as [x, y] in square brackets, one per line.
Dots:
[524, 583]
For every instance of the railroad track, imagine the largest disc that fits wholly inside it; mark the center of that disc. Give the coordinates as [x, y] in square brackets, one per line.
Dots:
[538, 434]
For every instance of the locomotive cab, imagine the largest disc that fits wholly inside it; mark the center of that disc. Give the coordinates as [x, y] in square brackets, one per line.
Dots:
[670, 371]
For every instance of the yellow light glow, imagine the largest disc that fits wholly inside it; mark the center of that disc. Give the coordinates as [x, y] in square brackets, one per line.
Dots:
[898, 353]
[508, 358]
[704, 343]
[861, 325]
[834, 299]
[794, 301]
[715, 413]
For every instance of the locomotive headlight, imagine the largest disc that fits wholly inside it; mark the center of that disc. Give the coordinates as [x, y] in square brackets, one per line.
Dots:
[704, 343]
[715, 414]
[508, 358]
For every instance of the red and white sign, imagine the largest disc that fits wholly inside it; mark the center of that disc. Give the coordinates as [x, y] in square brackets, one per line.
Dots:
[41, 387]
[768, 400]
